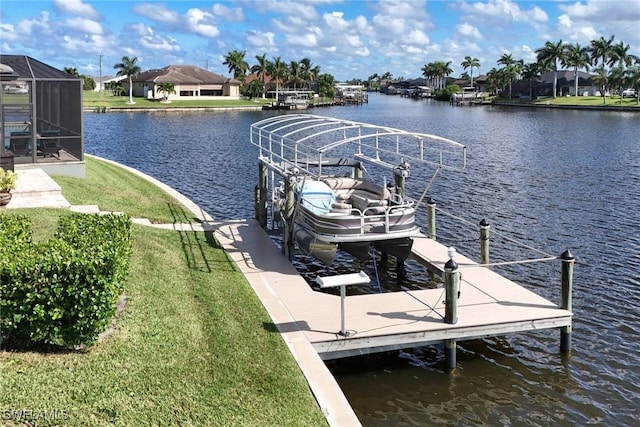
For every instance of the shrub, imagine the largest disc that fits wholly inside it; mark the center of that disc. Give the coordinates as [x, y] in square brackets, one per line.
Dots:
[64, 291]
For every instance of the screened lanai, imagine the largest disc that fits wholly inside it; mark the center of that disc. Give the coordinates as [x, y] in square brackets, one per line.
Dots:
[41, 116]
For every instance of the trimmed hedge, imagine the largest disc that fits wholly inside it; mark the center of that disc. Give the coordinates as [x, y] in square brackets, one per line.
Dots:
[64, 291]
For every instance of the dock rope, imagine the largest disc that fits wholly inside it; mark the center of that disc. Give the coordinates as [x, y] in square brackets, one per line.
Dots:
[524, 261]
[432, 308]
[504, 236]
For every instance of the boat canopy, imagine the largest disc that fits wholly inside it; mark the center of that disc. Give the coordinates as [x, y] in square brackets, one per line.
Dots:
[304, 143]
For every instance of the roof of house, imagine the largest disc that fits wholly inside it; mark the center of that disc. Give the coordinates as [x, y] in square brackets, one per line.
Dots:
[25, 67]
[183, 74]
[267, 79]
[565, 77]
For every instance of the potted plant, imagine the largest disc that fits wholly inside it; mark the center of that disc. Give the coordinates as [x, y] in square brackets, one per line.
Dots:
[7, 183]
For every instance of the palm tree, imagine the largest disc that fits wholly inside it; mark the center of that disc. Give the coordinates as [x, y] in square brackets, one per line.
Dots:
[128, 67]
[73, 71]
[326, 85]
[620, 56]
[575, 56]
[295, 74]
[634, 80]
[601, 79]
[470, 62]
[372, 78]
[496, 80]
[512, 67]
[429, 71]
[309, 71]
[236, 63]
[167, 89]
[548, 56]
[254, 89]
[261, 70]
[278, 71]
[438, 71]
[530, 72]
[601, 50]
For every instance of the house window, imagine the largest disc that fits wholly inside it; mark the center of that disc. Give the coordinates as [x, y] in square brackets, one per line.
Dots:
[210, 92]
[186, 93]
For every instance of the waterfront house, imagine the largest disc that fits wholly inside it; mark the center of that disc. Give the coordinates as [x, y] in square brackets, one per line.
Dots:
[190, 82]
[40, 117]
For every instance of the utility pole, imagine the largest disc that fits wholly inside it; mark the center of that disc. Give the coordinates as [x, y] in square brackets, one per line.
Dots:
[100, 78]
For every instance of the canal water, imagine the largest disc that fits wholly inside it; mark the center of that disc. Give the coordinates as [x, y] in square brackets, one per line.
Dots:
[546, 180]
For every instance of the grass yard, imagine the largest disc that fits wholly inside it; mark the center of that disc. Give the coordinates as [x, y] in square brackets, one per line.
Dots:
[193, 347]
[93, 99]
[116, 189]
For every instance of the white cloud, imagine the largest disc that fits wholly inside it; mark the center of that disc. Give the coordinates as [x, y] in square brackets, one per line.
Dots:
[76, 7]
[92, 44]
[468, 30]
[202, 23]
[364, 51]
[335, 21]
[32, 27]
[168, 44]
[264, 41]
[416, 37]
[291, 8]
[157, 12]
[307, 40]
[353, 40]
[84, 25]
[506, 9]
[8, 33]
[233, 14]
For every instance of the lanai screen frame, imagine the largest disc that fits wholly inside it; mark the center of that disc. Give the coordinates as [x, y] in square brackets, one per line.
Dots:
[47, 106]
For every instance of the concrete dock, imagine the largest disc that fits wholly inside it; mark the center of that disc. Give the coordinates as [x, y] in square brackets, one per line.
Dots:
[489, 304]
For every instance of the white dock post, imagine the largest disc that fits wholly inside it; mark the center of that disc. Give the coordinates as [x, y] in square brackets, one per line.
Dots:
[484, 241]
[343, 281]
[565, 302]
[431, 218]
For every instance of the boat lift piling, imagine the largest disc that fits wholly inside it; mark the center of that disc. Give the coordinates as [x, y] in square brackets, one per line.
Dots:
[431, 218]
[484, 241]
[565, 302]
[452, 292]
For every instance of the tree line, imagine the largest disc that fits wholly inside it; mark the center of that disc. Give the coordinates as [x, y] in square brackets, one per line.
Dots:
[611, 62]
[293, 74]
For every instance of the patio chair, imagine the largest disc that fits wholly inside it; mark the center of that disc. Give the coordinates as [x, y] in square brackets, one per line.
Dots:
[49, 145]
[20, 143]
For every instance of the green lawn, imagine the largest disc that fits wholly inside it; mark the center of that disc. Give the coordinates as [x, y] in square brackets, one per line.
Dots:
[579, 101]
[93, 99]
[193, 347]
[115, 189]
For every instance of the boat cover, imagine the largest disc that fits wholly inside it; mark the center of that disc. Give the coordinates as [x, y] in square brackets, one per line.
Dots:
[317, 197]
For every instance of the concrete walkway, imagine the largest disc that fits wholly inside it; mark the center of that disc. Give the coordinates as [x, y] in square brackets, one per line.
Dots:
[35, 189]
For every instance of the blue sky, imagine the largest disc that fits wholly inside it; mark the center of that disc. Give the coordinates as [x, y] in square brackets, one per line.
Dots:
[345, 38]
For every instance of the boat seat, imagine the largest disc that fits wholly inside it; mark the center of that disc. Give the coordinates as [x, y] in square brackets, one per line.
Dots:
[362, 200]
[341, 207]
[345, 187]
